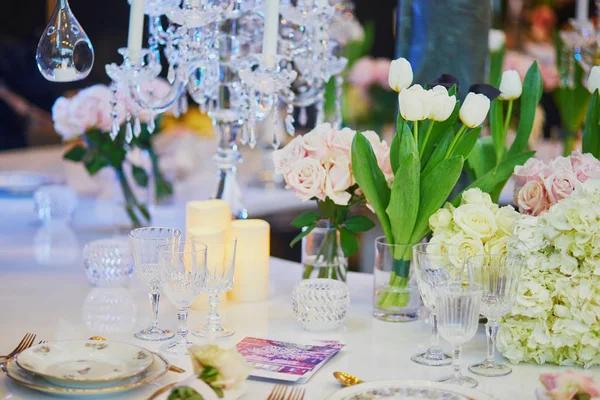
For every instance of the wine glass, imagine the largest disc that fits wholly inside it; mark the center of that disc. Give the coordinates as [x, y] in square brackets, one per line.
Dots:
[499, 277]
[219, 279]
[182, 272]
[458, 305]
[144, 245]
[435, 266]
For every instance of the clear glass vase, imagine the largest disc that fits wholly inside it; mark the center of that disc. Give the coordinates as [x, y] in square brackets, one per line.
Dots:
[396, 295]
[322, 255]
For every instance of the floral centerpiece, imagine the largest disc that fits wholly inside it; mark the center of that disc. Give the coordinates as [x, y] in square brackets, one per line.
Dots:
[317, 166]
[555, 316]
[568, 385]
[221, 369]
[85, 120]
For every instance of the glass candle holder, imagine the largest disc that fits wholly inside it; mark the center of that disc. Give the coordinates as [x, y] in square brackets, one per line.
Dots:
[321, 304]
[55, 203]
[108, 261]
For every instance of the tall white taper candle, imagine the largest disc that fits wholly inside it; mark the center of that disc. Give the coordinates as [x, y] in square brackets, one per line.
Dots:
[271, 32]
[136, 30]
[582, 10]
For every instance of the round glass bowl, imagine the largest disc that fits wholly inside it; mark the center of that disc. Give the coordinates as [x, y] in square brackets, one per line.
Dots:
[321, 304]
[108, 261]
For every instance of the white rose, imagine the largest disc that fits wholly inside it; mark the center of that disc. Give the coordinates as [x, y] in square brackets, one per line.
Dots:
[477, 196]
[341, 142]
[442, 104]
[316, 142]
[339, 178]
[285, 158]
[307, 179]
[468, 246]
[476, 221]
[505, 219]
[414, 103]
[510, 85]
[593, 82]
[440, 220]
[496, 40]
[64, 125]
[496, 246]
[474, 110]
[233, 369]
[401, 74]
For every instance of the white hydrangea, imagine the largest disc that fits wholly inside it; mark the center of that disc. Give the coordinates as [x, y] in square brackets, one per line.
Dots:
[556, 316]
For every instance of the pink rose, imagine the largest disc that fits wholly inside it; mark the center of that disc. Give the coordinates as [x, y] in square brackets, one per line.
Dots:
[91, 108]
[382, 71]
[531, 170]
[285, 158]
[562, 164]
[587, 171]
[566, 385]
[63, 124]
[560, 185]
[307, 179]
[316, 142]
[382, 152]
[532, 198]
[363, 73]
[339, 178]
[341, 142]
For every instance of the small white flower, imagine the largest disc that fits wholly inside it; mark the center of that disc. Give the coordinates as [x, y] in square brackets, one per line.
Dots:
[510, 85]
[442, 104]
[474, 110]
[496, 40]
[401, 74]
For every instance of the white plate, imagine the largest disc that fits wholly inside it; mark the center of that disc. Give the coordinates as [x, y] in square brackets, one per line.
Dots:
[409, 390]
[21, 182]
[85, 363]
[158, 368]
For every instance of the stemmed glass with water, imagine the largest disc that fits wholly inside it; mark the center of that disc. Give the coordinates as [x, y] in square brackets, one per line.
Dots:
[499, 276]
[144, 245]
[434, 269]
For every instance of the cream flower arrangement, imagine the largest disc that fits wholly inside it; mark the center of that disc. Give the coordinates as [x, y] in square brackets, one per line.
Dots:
[477, 225]
[555, 316]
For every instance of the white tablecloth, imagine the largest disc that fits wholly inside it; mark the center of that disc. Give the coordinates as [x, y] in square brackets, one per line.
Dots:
[43, 289]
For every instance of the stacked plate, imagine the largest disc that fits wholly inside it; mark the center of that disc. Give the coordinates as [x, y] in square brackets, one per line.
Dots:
[85, 367]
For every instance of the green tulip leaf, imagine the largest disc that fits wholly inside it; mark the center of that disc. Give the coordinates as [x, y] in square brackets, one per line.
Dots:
[497, 126]
[483, 157]
[439, 153]
[466, 144]
[591, 131]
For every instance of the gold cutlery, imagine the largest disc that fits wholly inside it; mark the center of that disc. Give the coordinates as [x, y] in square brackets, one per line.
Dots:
[278, 392]
[297, 394]
[346, 379]
[162, 390]
[25, 343]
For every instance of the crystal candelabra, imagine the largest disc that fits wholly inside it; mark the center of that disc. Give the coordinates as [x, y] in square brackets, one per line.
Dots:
[215, 59]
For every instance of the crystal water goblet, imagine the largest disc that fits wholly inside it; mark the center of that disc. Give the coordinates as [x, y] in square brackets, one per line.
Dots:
[499, 276]
[144, 245]
[458, 306]
[220, 266]
[435, 266]
[182, 271]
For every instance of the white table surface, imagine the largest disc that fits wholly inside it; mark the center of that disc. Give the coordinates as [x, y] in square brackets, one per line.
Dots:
[43, 289]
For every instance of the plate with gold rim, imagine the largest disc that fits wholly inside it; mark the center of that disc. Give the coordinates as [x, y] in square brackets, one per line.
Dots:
[85, 363]
[408, 390]
[157, 369]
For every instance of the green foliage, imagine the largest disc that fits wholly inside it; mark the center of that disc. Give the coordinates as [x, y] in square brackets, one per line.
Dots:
[348, 241]
[184, 393]
[591, 131]
[496, 63]
[75, 153]
[359, 223]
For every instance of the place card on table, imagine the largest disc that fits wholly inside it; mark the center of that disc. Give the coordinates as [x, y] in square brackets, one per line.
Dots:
[284, 361]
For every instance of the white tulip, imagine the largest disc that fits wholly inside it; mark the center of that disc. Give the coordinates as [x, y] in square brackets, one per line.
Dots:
[442, 105]
[593, 82]
[510, 85]
[474, 110]
[414, 103]
[400, 75]
[496, 40]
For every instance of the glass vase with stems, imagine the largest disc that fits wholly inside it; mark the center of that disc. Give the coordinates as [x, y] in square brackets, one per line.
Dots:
[433, 269]
[322, 254]
[499, 277]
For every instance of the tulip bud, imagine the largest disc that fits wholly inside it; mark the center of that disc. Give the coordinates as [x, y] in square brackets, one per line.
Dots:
[474, 110]
[510, 85]
[400, 75]
[496, 40]
[414, 103]
[441, 105]
[593, 82]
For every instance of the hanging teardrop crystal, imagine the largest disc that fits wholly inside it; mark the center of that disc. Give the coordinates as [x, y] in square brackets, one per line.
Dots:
[128, 130]
[137, 127]
[244, 138]
[183, 104]
[171, 74]
[289, 125]
[64, 52]
[151, 124]
[303, 116]
[114, 132]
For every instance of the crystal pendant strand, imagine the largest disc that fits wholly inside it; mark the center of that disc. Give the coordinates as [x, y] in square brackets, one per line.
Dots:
[289, 120]
[137, 126]
[339, 82]
[128, 129]
[114, 113]
[151, 125]
[276, 127]
[321, 109]
[252, 118]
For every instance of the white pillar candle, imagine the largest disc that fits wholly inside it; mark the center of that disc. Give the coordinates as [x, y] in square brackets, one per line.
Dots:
[271, 32]
[65, 73]
[251, 278]
[582, 10]
[136, 30]
[208, 213]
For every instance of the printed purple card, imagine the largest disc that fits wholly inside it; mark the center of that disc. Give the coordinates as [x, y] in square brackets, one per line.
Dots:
[292, 362]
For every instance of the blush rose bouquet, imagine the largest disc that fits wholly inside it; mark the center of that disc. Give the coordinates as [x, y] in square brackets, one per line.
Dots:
[318, 166]
[568, 385]
[101, 137]
[538, 185]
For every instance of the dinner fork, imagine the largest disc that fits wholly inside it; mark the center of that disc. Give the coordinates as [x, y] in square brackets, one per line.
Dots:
[297, 394]
[25, 343]
[278, 392]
